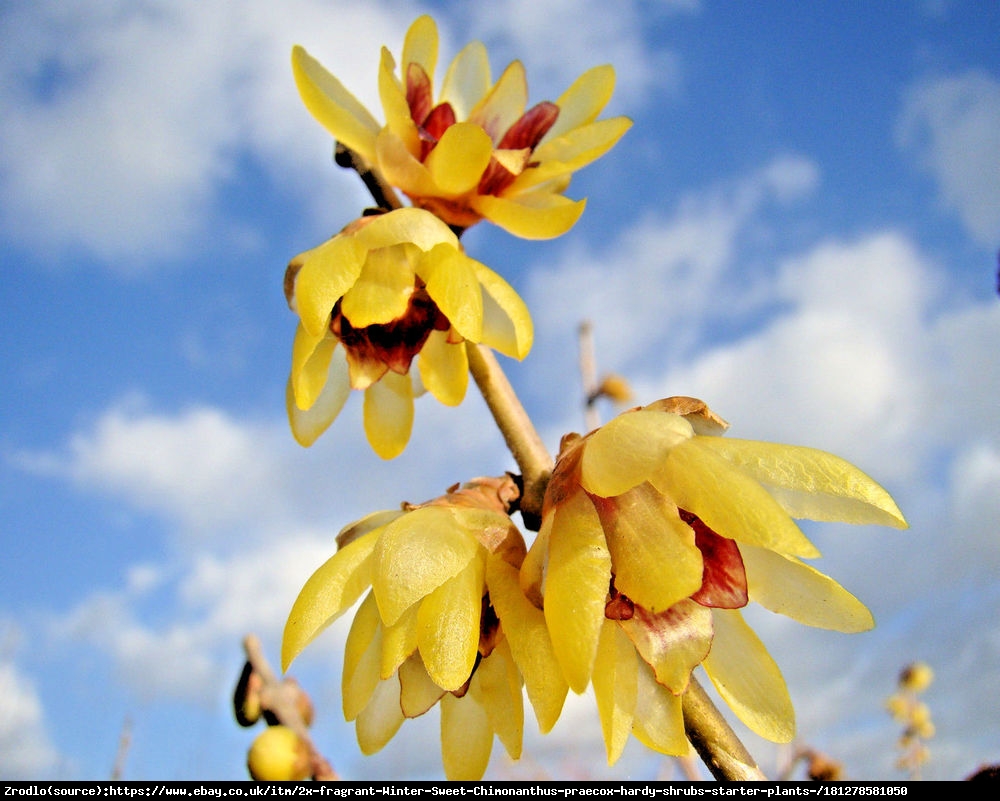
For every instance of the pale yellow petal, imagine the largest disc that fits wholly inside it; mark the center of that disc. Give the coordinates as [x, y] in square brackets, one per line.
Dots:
[659, 718]
[308, 424]
[310, 365]
[532, 574]
[420, 46]
[406, 225]
[466, 739]
[327, 272]
[399, 642]
[569, 153]
[810, 483]
[336, 109]
[504, 104]
[530, 644]
[531, 215]
[615, 686]
[496, 685]
[381, 719]
[383, 289]
[628, 449]
[728, 501]
[444, 368]
[507, 325]
[448, 626]
[653, 553]
[362, 651]
[388, 414]
[785, 585]
[415, 555]
[467, 80]
[401, 168]
[748, 679]
[576, 587]
[327, 594]
[459, 159]
[583, 101]
[398, 119]
[419, 693]
[453, 284]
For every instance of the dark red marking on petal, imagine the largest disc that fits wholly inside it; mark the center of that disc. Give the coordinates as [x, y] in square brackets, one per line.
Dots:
[724, 580]
[418, 93]
[530, 127]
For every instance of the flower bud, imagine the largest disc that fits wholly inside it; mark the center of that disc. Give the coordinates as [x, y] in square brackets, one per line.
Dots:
[278, 754]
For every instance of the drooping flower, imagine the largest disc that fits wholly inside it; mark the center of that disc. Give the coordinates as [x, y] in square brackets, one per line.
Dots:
[387, 289]
[443, 623]
[656, 532]
[474, 150]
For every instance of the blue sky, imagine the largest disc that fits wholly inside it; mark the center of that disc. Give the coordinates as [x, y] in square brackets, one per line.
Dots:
[801, 228]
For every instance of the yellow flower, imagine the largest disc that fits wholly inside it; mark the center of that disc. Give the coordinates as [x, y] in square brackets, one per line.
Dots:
[443, 622]
[474, 151]
[655, 533]
[385, 289]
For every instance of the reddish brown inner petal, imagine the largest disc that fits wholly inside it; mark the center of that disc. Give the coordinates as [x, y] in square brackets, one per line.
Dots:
[724, 580]
[418, 93]
[392, 344]
[529, 129]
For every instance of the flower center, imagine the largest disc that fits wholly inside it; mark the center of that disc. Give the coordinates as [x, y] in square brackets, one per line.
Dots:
[374, 349]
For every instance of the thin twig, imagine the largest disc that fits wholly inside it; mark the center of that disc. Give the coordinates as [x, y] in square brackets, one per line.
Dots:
[279, 698]
[522, 439]
[381, 191]
[714, 740]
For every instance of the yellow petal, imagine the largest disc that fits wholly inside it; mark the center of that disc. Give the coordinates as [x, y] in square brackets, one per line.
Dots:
[583, 101]
[444, 368]
[388, 413]
[570, 152]
[748, 679]
[401, 168]
[448, 627]
[370, 522]
[383, 289]
[336, 109]
[659, 718]
[307, 425]
[420, 46]
[381, 719]
[615, 686]
[415, 555]
[628, 449]
[459, 159]
[418, 692]
[785, 585]
[496, 685]
[810, 483]
[531, 215]
[532, 574]
[466, 739]
[672, 643]
[310, 365]
[398, 119]
[327, 594]
[406, 225]
[399, 642]
[327, 272]
[361, 659]
[507, 325]
[530, 644]
[653, 554]
[467, 80]
[576, 587]
[729, 502]
[504, 104]
[453, 284]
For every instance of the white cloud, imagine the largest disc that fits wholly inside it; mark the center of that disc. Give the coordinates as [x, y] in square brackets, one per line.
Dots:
[952, 124]
[26, 749]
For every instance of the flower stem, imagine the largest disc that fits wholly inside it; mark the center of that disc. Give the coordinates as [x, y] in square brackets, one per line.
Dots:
[522, 439]
[714, 740]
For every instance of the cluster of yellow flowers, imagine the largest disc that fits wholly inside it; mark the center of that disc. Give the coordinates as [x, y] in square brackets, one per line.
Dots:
[655, 529]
